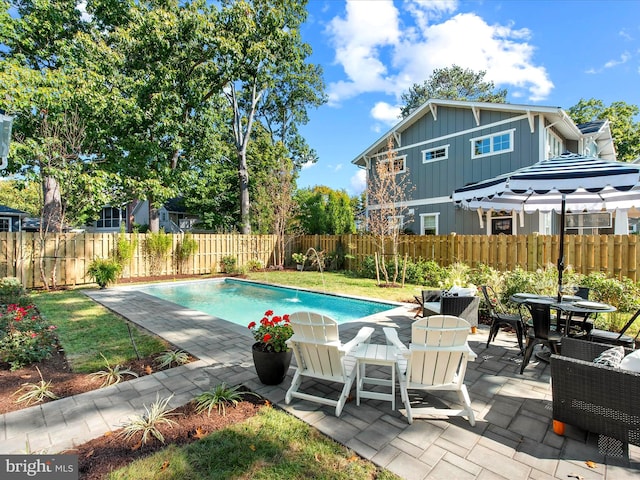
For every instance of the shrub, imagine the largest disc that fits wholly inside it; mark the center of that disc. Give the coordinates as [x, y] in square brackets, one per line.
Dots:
[12, 291]
[25, 338]
[112, 375]
[123, 250]
[228, 264]
[171, 357]
[35, 392]
[255, 265]
[148, 423]
[218, 396]
[185, 248]
[156, 249]
[104, 271]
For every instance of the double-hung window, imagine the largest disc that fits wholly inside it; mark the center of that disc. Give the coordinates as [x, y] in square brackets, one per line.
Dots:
[429, 223]
[494, 144]
[5, 224]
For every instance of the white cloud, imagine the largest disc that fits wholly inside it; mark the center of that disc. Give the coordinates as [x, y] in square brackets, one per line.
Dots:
[307, 165]
[383, 51]
[624, 58]
[358, 182]
[338, 167]
[389, 114]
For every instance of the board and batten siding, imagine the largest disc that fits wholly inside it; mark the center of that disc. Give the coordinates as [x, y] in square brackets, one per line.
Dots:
[434, 182]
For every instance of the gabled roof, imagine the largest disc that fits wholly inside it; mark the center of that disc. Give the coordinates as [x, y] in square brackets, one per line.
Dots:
[4, 210]
[556, 115]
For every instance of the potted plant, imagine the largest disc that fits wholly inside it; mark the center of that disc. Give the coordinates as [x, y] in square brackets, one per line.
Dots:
[299, 258]
[104, 271]
[271, 354]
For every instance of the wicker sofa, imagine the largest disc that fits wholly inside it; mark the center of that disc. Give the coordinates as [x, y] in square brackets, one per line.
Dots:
[465, 307]
[594, 397]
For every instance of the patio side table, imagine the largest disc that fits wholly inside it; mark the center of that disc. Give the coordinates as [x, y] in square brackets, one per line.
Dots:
[372, 354]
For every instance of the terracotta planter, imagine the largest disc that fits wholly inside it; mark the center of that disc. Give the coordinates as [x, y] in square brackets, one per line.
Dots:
[271, 367]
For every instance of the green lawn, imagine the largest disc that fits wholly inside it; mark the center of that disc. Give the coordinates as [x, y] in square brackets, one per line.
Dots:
[86, 330]
[334, 282]
[270, 445]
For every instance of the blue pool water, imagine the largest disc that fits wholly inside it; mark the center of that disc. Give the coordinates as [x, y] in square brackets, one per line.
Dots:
[242, 302]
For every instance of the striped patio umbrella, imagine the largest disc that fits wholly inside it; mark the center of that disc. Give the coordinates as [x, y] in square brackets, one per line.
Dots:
[568, 182]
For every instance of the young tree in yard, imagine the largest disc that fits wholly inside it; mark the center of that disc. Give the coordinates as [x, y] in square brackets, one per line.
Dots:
[624, 129]
[387, 194]
[452, 83]
[274, 207]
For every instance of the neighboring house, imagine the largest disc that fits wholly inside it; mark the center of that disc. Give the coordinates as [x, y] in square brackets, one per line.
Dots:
[173, 217]
[11, 219]
[447, 144]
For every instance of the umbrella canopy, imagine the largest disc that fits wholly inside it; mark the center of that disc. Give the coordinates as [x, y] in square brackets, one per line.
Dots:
[568, 182]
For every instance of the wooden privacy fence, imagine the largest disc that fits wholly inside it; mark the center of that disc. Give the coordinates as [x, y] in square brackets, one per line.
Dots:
[71, 253]
[616, 255]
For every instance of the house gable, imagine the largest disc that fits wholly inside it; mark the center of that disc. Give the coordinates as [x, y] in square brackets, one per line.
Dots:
[449, 144]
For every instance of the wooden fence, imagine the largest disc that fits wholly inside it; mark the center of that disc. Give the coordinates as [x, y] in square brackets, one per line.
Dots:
[71, 253]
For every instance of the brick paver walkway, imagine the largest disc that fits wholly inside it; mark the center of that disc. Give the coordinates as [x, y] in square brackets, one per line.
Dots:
[512, 438]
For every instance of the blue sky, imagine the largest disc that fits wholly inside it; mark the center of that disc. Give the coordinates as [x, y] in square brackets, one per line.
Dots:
[544, 52]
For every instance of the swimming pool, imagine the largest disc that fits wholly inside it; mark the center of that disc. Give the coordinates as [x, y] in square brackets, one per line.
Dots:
[240, 301]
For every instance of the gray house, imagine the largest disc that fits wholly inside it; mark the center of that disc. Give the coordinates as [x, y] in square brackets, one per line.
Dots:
[447, 144]
[11, 219]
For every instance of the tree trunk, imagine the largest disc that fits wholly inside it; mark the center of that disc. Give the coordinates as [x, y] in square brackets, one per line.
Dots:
[52, 208]
[243, 177]
[154, 219]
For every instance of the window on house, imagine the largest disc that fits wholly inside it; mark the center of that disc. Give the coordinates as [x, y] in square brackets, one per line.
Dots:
[588, 223]
[429, 223]
[399, 164]
[502, 225]
[5, 224]
[492, 144]
[435, 154]
[109, 218]
[591, 149]
[555, 145]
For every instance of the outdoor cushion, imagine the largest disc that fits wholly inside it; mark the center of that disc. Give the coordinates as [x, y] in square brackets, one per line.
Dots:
[611, 357]
[631, 362]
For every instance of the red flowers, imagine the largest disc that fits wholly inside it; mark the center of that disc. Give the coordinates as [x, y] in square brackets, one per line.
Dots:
[273, 332]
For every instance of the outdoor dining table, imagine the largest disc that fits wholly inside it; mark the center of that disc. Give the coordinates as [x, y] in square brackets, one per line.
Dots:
[568, 306]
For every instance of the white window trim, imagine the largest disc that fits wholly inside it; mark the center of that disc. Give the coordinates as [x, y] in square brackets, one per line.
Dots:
[491, 137]
[425, 215]
[9, 220]
[399, 157]
[441, 147]
[559, 141]
[512, 217]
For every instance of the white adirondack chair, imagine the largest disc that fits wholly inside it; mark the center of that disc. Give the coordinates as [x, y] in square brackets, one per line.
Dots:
[435, 360]
[320, 354]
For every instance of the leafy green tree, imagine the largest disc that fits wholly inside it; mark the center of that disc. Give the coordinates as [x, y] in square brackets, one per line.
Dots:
[624, 129]
[38, 86]
[159, 88]
[325, 211]
[452, 83]
[265, 52]
[22, 195]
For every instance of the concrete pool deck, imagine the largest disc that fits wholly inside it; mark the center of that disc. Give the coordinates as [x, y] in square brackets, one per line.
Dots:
[512, 437]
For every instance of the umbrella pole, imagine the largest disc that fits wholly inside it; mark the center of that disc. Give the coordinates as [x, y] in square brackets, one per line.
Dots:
[561, 249]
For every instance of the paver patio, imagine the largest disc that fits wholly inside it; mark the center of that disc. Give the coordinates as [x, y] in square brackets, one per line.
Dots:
[512, 438]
